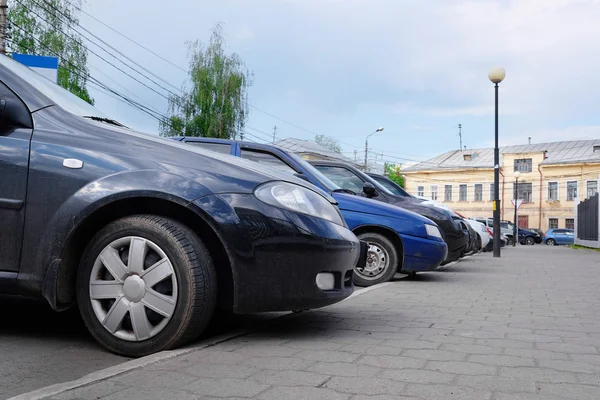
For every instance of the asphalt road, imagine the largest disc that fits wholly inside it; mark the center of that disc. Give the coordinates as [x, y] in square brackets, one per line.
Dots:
[39, 347]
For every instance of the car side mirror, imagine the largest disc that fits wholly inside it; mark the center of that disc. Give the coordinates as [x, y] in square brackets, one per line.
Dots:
[302, 176]
[369, 190]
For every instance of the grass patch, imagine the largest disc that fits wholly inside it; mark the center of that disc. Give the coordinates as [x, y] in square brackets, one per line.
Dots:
[578, 247]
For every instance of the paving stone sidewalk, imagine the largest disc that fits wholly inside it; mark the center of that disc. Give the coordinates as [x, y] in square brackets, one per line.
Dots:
[526, 326]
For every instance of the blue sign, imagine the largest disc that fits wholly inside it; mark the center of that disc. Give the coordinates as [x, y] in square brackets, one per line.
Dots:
[44, 65]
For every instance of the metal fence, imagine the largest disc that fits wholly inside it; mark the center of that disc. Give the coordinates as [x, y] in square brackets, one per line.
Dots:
[588, 218]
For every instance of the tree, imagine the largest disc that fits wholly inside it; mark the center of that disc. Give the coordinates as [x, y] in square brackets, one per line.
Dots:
[216, 105]
[393, 172]
[329, 142]
[45, 27]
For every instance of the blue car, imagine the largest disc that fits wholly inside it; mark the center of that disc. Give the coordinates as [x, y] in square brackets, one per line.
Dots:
[399, 240]
[559, 236]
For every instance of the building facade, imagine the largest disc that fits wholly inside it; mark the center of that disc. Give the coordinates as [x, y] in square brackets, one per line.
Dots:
[552, 176]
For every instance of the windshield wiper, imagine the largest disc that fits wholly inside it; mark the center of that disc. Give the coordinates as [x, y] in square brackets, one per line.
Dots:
[344, 191]
[107, 120]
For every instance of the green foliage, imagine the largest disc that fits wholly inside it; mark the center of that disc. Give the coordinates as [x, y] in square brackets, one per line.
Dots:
[329, 142]
[393, 172]
[216, 105]
[38, 27]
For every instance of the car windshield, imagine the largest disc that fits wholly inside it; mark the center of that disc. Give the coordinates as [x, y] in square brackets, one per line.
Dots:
[398, 191]
[61, 97]
[325, 181]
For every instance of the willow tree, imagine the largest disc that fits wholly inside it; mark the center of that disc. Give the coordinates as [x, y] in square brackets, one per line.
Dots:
[216, 102]
[45, 27]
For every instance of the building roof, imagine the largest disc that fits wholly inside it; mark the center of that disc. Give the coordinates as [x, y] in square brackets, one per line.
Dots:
[569, 152]
[304, 146]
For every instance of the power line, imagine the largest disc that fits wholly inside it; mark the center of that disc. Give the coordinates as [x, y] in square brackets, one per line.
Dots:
[102, 58]
[111, 47]
[122, 35]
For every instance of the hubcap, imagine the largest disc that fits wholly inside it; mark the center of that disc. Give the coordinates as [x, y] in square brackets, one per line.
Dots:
[133, 288]
[377, 262]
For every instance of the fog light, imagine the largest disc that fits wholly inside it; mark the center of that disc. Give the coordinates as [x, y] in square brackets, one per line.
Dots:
[325, 281]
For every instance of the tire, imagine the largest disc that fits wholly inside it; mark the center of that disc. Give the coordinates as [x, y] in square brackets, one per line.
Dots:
[530, 241]
[509, 241]
[172, 310]
[551, 242]
[381, 249]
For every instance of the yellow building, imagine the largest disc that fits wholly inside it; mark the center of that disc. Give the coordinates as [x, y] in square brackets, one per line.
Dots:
[552, 176]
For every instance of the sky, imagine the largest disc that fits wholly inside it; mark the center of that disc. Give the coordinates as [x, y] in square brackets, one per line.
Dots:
[344, 68]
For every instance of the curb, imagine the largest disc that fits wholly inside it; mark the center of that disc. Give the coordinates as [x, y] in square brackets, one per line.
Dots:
[128, 366]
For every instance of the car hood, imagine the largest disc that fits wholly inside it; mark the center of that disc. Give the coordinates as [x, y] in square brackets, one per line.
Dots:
[135, 150]
[350, 202]
[420, 207]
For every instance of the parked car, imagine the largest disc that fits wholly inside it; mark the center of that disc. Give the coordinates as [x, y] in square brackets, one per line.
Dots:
[475, 238]
[526, 236]
[503, 241]
[399, 240]
[554, 237]
[483, 233]
[146, 235]
[457, 233]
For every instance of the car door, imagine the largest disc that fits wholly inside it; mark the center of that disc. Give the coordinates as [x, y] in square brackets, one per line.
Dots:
[569, 236]
[15, 138]
[560, 236]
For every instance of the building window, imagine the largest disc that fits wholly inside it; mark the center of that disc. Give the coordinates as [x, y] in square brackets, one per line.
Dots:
[571, 190]
[492, 196]
[592, 188]
[553, 191]
[448, 193]
[569, 223]
[421, 191]
[525, 192]
[478, 192]
[553, 223]
[523, 165]
[462, 192]
[434, 195]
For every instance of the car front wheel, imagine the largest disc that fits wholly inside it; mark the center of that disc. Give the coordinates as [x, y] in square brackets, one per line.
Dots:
[145, 284]
[529, 241]
[382, 261]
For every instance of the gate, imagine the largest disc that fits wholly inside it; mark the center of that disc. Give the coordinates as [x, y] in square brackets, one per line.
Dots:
[587, 219]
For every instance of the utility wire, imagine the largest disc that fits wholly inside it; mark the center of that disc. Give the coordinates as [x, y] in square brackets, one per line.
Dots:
[99, 56]
[111, 47]
[122, 35]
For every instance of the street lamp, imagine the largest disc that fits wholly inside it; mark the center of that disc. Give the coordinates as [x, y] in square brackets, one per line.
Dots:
[367, 145]
[496, 75]
[515, 236]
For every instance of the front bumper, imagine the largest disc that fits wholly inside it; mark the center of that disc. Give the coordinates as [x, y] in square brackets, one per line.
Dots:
[456, 237]
[421, 254]
[276, 254]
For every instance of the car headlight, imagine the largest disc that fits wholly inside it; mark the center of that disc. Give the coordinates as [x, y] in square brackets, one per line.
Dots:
[299, 199]
[433, 231]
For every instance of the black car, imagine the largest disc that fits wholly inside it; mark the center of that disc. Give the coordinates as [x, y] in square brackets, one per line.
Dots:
[146, 235]
[474, 238]
[455, 231]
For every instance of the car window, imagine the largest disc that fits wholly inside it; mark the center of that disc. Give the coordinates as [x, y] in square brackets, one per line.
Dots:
[342, 177]
[559, 231]
[266, 159]
[504, 225]
[391, 187]
[325, 181]
[223, 148]
[569, 232]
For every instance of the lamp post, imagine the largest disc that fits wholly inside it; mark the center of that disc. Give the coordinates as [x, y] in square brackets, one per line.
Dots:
[367, 145]
[515, 236]
[496, 75]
